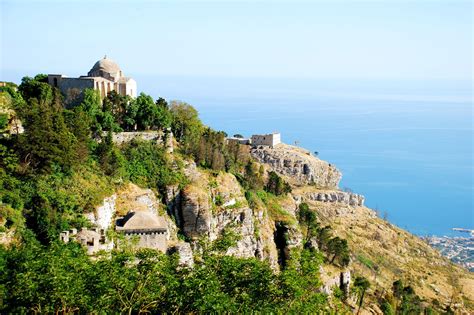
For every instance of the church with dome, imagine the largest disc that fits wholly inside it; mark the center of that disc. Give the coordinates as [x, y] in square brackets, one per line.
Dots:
[105, 77]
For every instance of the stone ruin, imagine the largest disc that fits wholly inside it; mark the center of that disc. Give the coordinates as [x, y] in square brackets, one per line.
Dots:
[93, 239]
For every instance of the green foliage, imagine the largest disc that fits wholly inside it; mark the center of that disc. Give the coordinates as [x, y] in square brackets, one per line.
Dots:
[276, 185]
[300, 284]
[10, 217]
[3, 122]
[387, 308]
[340, 250]
[336, 248]
[227, 239]
[308, 220]
[403, 300]
[47, 139]
[360, 286]
[92, 106]
[147, 164]
[218, 200]
[186, 125]
[37, 88]
[56, 201]
[365, 261]
[61, 278]
[111, 159]
[253, 176]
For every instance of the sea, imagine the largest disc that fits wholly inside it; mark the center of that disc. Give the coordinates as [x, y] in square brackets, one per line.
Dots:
[407, 146]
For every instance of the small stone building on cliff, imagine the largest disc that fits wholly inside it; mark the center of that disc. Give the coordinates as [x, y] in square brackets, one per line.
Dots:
[150, 229]
[105, 76]
[270, 140]
[94, 240]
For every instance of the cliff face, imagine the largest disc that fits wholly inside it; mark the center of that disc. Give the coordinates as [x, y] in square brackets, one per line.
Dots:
[210, 206]
[299, 166]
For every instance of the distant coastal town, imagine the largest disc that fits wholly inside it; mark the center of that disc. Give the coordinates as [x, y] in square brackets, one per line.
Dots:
[459, 249]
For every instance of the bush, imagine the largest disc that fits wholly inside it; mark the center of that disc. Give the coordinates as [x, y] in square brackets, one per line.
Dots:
[148, 165]
[276, 185]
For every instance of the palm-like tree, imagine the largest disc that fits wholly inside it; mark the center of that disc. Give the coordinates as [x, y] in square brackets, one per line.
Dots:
[361, 284]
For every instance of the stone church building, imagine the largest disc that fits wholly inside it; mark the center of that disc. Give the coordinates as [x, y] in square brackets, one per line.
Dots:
[105, 76]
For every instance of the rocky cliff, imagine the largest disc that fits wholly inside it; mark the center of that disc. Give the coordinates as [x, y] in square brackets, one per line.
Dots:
[213, 205]
[298, 165]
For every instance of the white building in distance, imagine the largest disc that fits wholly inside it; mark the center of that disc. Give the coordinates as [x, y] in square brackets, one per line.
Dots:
[271, 139]
[105, 76]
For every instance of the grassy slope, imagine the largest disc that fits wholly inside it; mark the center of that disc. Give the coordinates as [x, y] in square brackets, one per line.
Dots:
[384, 253]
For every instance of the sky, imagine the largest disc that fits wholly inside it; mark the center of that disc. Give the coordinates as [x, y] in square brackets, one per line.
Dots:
[278, 39]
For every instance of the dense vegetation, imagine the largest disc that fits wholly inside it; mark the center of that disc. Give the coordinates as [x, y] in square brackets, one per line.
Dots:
[62, 278]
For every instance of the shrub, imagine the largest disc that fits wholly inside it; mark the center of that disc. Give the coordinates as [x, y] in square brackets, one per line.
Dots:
[276, 185]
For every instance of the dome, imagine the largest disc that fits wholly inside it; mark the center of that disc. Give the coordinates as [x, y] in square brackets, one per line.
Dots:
[105, 65]
[142, 220]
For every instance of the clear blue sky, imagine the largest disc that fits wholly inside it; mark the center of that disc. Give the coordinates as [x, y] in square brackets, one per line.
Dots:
[317, 39]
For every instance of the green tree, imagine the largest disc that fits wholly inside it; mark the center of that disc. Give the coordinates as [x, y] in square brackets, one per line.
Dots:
[164, 117]
[338, 248]
[361, 284]
[147, 113]
[148, 165]
[36, 87]
[186, 125]
[308, 219]
[47, 139]
[276, 185]
[92, 106]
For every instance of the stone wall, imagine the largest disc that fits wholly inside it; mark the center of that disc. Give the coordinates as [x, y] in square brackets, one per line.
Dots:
[155, 240]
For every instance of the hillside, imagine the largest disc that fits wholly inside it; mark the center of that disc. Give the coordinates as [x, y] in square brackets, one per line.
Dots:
[133, 205]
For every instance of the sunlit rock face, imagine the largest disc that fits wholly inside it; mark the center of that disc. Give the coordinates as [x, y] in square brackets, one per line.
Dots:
[298, 165]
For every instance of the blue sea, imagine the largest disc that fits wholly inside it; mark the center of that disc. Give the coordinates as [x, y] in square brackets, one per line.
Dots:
[406, 145]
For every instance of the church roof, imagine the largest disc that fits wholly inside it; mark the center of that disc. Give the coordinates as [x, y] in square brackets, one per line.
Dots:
[107, 65]
[142, 220]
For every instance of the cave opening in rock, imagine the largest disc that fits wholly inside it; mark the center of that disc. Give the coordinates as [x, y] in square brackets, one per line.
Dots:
[279, 237]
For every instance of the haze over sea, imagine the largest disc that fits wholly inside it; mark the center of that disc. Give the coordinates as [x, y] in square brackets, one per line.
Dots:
[406, 145]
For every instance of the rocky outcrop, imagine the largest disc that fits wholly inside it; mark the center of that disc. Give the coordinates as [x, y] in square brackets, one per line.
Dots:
[341, 280]
[298, 165]
[158, 136]
[347, 198]
[185, 254]
[123, 137]
[14, 125]
[195, 215]
[200, 215]
[199, 221]
[102, 218]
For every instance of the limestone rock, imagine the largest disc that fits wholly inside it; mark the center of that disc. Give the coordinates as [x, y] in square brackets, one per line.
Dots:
[200, 216]
[195, 213]
[340, 279]
[184, 252]
[102, 218]
[298, 165]
[347, 198]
